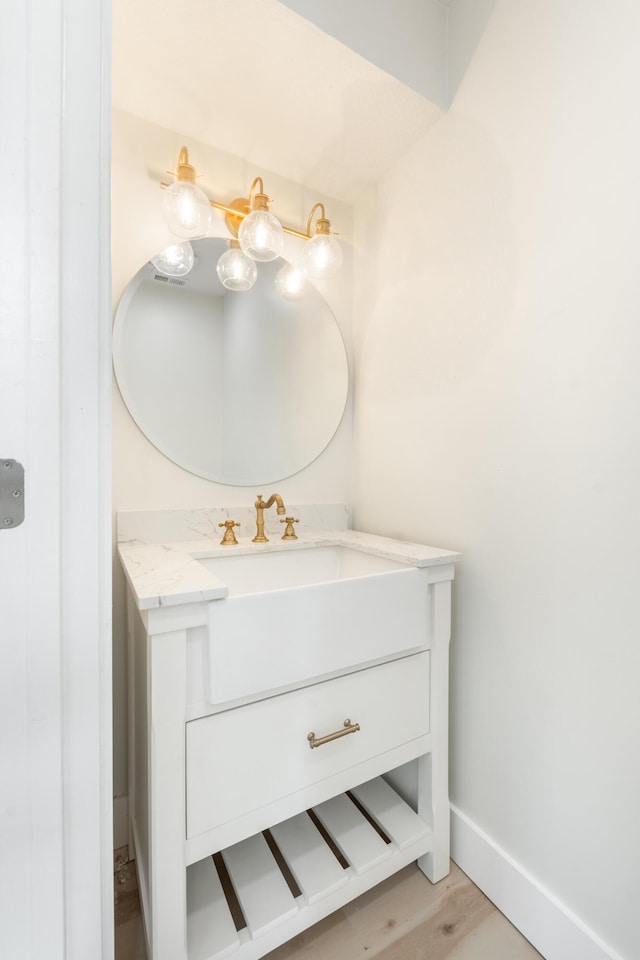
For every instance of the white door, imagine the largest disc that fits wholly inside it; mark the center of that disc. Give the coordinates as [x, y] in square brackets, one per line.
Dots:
[55, 740]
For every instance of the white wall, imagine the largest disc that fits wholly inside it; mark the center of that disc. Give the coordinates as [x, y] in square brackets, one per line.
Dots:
[143, 478]
[497, 413]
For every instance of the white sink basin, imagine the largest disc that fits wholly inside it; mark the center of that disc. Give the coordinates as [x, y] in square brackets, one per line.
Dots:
[258, 573]
[294, 616]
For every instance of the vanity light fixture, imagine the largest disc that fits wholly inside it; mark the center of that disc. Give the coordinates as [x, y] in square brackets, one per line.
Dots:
[185, 206]
[261, 235]
[257, 235]
[235, 269]
[322, 255]
[291, 282]
[176, 260]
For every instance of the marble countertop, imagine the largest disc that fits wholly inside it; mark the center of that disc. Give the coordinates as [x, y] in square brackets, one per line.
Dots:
[168, 574]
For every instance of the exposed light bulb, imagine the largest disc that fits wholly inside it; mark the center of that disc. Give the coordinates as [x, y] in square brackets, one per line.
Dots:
[187, 210]
[291, 282]
[176, 260]
[235, 270]
[322, 256]
[261, 236]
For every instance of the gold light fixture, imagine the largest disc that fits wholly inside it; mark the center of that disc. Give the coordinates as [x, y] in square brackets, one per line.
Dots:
[322, 256]
[257, 235]
[236, 271]
[291, 282]
[176, 260]
[185, 206]
[261, 235]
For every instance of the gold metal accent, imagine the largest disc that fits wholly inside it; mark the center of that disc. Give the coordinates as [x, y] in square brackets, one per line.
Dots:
[234, 214]
[323, 226]
[185, 173]
[261, 506]
[318, 741]
[294, 233]
[289, 532]
[229, 536]
[258, 200]
[237, 210]
[241, 207]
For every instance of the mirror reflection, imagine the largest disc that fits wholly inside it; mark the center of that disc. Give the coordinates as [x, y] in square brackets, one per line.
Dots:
[240, 388]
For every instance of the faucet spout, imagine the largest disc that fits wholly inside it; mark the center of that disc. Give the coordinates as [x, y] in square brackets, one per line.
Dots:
[274, 498]
[261, 506]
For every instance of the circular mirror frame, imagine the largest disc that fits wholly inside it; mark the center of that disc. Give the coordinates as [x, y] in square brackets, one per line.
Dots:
[244, 389]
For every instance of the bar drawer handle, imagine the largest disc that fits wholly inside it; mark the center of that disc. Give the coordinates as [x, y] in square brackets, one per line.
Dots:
[318, 741]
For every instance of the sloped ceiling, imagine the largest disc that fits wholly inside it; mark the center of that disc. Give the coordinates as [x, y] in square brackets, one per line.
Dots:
[407, 38]
[255, 79]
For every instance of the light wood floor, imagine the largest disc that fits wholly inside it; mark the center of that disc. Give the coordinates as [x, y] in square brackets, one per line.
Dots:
[404, 918]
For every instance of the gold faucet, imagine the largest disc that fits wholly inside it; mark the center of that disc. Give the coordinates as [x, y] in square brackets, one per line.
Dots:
[261, 506]
[289, 532]
[229, 538]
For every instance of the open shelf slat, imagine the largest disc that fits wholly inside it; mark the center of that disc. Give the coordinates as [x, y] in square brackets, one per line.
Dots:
[210, 928]
[259, 885]
[272, 913]
[315, 868]
[352, 833]
[397, 819]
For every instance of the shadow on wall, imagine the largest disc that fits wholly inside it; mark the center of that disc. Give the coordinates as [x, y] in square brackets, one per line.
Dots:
[357, 156]
[449, 293]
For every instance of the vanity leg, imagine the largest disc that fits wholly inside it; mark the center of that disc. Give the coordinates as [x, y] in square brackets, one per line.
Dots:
[433, 769]
[167, 692]
[131, 706]
[435, 810]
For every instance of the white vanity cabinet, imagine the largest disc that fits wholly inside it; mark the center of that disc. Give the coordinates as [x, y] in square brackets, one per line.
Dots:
[298, 826]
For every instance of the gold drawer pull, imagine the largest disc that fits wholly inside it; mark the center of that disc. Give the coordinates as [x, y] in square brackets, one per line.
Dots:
[348, 728]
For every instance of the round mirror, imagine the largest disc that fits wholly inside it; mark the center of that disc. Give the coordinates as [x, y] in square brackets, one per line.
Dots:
[241, 388]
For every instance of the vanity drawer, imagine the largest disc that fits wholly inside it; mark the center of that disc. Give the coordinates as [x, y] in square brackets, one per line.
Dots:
[243, 759]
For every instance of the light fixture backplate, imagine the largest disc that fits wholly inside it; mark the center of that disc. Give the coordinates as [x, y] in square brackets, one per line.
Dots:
[233, 222]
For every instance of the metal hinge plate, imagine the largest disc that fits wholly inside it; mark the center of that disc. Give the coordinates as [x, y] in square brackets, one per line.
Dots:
[11, 494]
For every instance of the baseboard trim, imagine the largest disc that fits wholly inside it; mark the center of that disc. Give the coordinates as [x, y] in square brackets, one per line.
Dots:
[556, 932]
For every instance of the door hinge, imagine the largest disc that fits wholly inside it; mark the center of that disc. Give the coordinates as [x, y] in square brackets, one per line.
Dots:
[11, 494]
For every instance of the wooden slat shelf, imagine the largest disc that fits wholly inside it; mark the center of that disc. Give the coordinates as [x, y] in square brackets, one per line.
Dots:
[375, 844]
